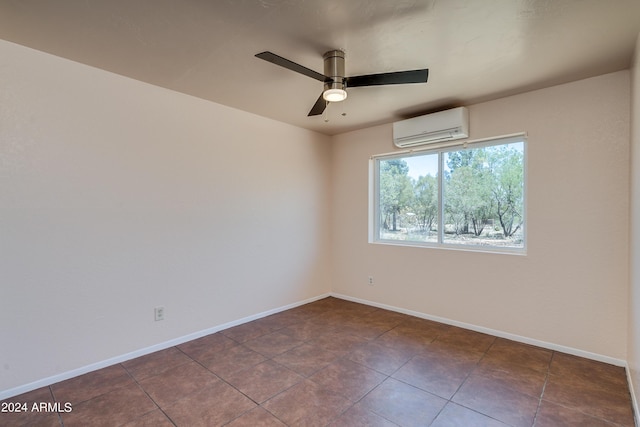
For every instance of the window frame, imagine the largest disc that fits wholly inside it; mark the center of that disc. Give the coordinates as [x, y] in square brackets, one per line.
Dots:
[441, 149]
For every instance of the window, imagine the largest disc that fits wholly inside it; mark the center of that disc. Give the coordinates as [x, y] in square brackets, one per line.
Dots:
[470, 197]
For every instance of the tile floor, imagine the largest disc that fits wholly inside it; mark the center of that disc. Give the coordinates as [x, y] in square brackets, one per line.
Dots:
[338, 363]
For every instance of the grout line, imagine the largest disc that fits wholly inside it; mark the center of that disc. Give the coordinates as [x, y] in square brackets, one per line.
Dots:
[471, 371]
[148, 395]
[544, 387]
[56, 400]
[258, 404]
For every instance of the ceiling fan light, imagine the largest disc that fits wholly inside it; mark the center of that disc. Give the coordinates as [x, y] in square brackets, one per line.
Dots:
[334, 95]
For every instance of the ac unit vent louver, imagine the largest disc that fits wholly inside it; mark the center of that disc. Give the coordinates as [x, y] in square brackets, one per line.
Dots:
[445, 125]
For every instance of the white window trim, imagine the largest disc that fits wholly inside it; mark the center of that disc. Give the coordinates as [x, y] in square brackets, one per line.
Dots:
[374, 190]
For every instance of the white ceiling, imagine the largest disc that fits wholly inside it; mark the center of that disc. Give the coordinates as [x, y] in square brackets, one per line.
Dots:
[475, 50]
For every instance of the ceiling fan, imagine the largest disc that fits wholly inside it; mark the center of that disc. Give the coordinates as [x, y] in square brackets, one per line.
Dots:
[335, 82]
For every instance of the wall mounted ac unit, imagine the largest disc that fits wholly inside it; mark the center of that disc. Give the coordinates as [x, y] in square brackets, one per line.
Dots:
[442, 126]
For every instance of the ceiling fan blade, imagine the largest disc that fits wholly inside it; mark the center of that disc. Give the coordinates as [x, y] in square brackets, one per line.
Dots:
[290, 65]
[318, 107]
[395, 78]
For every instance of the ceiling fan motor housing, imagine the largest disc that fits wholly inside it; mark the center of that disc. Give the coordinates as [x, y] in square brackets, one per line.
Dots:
[334, 69]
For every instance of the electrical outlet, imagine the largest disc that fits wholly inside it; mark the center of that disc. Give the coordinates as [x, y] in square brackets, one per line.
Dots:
[370, 280]
[159, 313]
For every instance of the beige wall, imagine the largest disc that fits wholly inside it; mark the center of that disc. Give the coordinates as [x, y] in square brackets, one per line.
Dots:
[633, 356]
[118, 196]
[570, 290]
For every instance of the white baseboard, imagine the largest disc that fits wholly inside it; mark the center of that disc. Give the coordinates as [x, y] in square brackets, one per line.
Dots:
[5, 394]
[494, 332]
[634, 401]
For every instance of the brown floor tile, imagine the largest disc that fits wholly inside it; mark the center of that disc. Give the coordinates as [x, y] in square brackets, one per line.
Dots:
[454, 415]
[306, 359]
[412, 335]
[338, 343]
[335, 318]
[438, 372]
[152, 419]
[515, 377]
[416, 323]
[495, 401]
[409, 344]
[403, 404]
[92, 384]
[466, 339]
[348, 378]
[257, 417]
[207, 346]
[307, 312]
[589, 372]
[389, 318]
[264, 380]
[34, 419]
[343, 307]
[273, 344]
[247, 331]
[178, 382]
[307, 404]
[359, 328]
[596, 401]
[39, 419]
[300, 313]
[358, 416]
[506, 352]
[21, 410]
[309, 329]
[281, 320]
[380, 357]
[214, 405]
[372, 324]
[116, 407]
[552, 415]
[155, 363]
[42, 394]
[318, 307]
[235, 359]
